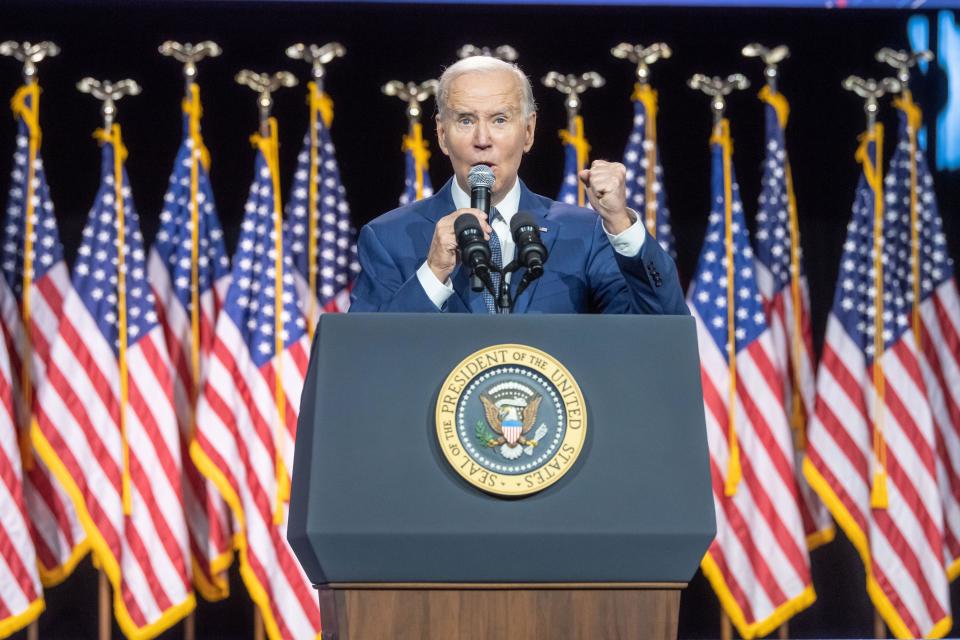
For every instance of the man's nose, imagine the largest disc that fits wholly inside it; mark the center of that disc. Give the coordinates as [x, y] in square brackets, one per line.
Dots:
[481, 137]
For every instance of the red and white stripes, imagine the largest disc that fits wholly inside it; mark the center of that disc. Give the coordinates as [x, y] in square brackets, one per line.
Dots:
[207, 515]
[758, 562]
[144, 553]
[21, 597]
[940, 364]
[795, 362]
[58, 535]
[901, 545]
[237, 427]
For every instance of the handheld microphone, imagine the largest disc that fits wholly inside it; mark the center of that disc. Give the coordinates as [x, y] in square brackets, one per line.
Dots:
[531, 252]
[481, 181]
[474, 251]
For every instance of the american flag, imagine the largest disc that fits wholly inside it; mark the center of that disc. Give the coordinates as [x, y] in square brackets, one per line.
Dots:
[758, 564]
[322, 240]
[247, 416]
[31, 259]
[574, 161]
[936, 320]
[190, 288]
[105, 416]
[416, 181]
[786, 301]
[645, 192]
[871, 451]
[21, 598]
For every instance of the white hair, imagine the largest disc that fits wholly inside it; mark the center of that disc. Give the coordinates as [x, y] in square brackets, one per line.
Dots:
[485, 64]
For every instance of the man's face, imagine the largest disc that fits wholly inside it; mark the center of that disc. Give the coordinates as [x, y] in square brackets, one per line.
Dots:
[483, 124]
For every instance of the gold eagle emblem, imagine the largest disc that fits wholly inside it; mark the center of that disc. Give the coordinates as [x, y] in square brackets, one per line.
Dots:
[526, 416]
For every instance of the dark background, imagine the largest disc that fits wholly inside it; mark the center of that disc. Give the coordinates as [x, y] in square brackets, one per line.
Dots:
[114, 40]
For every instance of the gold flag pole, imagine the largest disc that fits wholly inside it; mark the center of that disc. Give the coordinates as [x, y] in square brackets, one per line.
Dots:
[871, 91]
[109, 93]
[103, 606]
[717, 89]
[726, 628]
[903, 61]
[414, 94]
[190, 54]
[643, 57]
[572, 86]
[30, 55]
[770, 95]
[266, 142]
[258, 629]
[320, 105]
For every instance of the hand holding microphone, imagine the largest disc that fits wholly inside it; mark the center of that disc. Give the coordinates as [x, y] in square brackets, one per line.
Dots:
[445, 251]
[465, 234]
[474, 251]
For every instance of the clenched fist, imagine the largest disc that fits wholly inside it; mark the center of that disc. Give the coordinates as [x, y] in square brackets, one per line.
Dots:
[444, 253]
[606, 185]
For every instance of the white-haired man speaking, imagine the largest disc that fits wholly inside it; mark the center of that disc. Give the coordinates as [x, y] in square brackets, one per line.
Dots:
[599, 260]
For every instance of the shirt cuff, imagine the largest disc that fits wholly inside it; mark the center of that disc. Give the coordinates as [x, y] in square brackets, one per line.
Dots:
[628, 242]
[437, 291]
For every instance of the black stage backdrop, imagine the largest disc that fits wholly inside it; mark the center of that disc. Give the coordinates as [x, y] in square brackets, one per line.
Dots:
[114, 40]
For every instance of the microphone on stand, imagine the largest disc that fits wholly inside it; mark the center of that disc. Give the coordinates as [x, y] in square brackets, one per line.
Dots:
[474, 251]
[531, 252]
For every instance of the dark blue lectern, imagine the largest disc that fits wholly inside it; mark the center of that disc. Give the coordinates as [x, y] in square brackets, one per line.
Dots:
[400, 545]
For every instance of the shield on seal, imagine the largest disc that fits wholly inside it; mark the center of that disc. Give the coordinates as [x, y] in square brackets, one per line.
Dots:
[511, 430]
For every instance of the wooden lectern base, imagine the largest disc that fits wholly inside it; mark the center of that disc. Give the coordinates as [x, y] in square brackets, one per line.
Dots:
[594, 611]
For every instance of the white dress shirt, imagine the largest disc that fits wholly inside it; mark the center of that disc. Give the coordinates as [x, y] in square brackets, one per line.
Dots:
[626, 243]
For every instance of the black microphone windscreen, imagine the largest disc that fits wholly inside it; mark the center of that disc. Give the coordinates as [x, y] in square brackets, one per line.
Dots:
[464, 222]
[520, 219]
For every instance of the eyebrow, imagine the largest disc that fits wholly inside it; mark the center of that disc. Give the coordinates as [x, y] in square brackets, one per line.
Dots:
[499, 112]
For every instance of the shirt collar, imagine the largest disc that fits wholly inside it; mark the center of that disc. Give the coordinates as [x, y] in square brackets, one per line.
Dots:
[507, 207]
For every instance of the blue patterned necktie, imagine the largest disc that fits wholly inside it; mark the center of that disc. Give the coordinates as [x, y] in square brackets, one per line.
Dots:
[496, 259]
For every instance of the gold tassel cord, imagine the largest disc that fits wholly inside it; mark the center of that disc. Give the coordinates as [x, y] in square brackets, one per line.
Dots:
[26, 106]
[576, 138]
[644, 94]
[721, 136]
[114, 138]
[320, 104]
[873, 174]
[416, 145]
[798, 417]
[198, 154]
[914, 120]
[269, 147]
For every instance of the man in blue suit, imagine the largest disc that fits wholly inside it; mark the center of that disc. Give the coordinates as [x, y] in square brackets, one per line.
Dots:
[599, 261]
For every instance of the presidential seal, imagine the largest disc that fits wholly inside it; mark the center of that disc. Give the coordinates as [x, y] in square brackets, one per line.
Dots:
[511, 420]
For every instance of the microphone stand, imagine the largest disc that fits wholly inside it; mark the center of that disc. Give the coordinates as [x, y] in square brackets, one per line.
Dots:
[503, 298]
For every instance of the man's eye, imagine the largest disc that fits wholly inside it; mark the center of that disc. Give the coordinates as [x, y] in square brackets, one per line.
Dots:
[500, 120]
[465, 122]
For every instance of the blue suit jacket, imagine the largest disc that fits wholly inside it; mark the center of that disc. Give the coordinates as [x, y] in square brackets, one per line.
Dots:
[583, 273]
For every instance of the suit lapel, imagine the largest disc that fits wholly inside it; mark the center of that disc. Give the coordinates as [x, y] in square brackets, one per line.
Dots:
[535, 206]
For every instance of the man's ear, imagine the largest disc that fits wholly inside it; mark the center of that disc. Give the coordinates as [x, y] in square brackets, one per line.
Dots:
[441, 135]
[528, 134]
